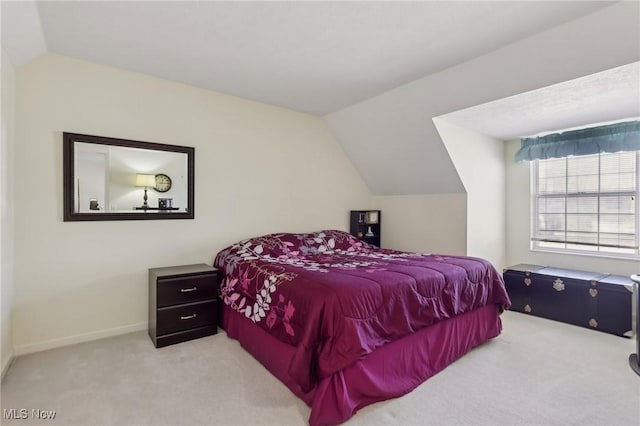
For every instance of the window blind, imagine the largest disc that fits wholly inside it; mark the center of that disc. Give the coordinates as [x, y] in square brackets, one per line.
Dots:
[587, 203]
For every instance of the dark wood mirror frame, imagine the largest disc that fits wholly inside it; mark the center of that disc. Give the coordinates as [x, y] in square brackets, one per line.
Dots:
[68, 152]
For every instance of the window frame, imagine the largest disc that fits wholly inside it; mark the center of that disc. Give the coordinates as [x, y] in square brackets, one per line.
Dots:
[534, 243]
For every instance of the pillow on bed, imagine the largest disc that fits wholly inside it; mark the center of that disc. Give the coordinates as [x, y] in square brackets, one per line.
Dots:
[328, 241]
[285, 245]
[288, 245]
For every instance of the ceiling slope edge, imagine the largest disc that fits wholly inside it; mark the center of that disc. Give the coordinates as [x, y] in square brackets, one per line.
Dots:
[22, 36]
[392, 140]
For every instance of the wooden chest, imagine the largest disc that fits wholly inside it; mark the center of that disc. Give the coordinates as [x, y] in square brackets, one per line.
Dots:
[597, 301]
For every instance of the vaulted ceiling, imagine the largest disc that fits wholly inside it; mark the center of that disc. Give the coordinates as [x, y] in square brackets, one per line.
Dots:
[378, 72]
[316, 57]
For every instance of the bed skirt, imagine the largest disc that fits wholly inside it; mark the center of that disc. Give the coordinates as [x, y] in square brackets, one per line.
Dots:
[390, 371]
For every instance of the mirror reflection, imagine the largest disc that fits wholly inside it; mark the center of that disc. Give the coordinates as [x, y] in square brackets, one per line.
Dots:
[117, 179]
[121, 179]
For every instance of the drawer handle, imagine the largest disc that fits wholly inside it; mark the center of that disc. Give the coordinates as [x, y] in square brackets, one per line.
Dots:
[188, 290]
[188, 317]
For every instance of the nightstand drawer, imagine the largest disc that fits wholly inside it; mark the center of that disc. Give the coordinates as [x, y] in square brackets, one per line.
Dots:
[175, 291]
[184, 317]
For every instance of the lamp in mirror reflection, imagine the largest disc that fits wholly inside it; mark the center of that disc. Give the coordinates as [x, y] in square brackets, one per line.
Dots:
[144, 180]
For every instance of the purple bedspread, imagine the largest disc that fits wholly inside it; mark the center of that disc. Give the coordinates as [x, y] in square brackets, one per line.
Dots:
[336, 299]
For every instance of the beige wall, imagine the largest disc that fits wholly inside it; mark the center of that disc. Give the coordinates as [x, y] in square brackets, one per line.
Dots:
[518, 227]
[479, 161]
[430, 223]
[7, 89]
[259, 169]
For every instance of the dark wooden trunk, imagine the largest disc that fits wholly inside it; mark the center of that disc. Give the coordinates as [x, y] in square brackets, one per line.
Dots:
[587, 299]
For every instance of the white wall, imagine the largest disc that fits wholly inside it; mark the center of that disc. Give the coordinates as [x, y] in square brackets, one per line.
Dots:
[434, 223]
[259, 169]
[479, 160]
[518, 227]
[7, 145]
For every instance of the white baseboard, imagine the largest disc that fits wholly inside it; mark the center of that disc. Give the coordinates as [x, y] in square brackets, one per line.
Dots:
[6, 366]
[78, 338]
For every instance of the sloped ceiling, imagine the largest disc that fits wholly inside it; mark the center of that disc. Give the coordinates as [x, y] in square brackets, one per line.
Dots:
[316, 57]
[394, 144]
[378, 71]
[606, 96]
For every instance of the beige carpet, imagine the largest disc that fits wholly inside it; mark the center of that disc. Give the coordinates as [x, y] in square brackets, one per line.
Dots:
[537, 372]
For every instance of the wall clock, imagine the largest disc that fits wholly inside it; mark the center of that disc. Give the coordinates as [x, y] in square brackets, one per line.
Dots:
[163, 182]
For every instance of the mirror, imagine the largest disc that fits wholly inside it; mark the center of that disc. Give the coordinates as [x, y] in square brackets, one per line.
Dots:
[120, 179]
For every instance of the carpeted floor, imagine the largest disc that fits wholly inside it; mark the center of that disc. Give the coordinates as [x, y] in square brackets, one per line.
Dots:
[538, 372]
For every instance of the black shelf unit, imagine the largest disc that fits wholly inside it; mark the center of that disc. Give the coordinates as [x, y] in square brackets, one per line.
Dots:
[364, 220]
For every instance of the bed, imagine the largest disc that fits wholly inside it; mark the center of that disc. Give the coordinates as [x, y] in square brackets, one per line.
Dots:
[344, 324]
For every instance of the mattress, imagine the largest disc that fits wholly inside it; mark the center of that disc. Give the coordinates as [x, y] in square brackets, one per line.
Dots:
[335, 300]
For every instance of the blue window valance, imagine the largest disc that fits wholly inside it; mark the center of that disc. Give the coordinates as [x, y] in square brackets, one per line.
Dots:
[609, 138]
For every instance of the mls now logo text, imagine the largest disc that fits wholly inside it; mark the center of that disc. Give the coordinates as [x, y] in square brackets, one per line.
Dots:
[23, 413]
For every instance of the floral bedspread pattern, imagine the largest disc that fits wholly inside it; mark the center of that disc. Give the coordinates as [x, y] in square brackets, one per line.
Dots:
[336, 298]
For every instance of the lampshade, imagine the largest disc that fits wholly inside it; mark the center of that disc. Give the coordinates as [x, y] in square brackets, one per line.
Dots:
[145, 180]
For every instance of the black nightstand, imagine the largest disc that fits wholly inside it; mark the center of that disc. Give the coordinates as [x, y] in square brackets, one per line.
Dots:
[182, 303]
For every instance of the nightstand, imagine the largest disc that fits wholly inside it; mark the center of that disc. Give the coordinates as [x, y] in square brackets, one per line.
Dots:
[182, 303]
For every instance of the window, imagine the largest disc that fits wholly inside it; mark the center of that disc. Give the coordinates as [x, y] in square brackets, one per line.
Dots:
[586, 204]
